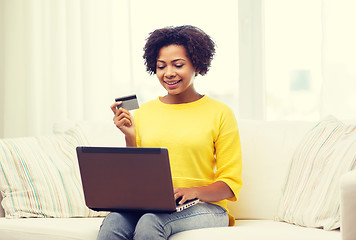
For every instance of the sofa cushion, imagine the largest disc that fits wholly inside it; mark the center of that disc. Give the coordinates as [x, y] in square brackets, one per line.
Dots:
[39, 176]
[311, 194]
[87, 229]
[257, 230]
[267, 149]
[50, 228]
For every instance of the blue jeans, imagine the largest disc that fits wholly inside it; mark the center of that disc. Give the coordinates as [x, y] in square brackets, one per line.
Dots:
[162, 225]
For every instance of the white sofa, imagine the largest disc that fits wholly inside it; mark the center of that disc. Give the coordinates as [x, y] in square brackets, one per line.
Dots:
[267, 150]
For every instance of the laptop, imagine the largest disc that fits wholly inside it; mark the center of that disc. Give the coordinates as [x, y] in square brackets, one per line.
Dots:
[128, 179]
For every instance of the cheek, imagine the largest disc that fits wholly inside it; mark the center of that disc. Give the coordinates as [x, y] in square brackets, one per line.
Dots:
[159, 75]
[189, 76]
[187, 73]
[160, 78]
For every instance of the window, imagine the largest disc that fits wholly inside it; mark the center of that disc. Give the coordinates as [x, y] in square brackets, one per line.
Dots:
[218, 20]
[293, 76]
[309, 61]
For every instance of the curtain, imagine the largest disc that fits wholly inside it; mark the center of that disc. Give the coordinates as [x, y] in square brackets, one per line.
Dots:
[61, 60]
[339, 58]
[68, 59]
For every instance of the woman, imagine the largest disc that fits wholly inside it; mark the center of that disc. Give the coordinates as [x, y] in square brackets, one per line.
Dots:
[200, 133]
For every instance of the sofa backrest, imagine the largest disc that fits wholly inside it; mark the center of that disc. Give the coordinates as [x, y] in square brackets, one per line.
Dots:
[97, 133]
[267, 149]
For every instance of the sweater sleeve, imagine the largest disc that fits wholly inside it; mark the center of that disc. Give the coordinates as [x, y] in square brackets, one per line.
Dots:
[228, 153]
[137, 127]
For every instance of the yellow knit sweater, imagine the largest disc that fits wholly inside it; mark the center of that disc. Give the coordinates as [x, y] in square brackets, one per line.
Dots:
[202, 139]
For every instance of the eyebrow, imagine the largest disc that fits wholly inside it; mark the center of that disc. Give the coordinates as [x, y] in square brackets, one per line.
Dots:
[175, 60]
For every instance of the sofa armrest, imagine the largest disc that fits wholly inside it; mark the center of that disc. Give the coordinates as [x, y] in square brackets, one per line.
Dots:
[2, 212]
[348, 205]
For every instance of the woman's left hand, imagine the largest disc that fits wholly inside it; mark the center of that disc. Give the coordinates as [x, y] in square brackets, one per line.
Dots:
[214, 192]
[185, 193]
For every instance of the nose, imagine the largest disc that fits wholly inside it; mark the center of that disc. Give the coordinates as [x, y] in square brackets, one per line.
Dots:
[170, 72]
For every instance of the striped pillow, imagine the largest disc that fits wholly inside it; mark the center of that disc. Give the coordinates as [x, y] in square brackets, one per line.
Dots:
[310, 196]
[39, 176]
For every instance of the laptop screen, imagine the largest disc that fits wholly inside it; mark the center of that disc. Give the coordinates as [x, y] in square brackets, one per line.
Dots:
[126, 179]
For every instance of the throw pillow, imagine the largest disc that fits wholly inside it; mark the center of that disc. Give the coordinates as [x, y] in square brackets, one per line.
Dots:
[310, 195]
[39, 176]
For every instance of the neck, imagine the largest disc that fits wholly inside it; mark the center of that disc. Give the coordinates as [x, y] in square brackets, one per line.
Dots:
[178, 98]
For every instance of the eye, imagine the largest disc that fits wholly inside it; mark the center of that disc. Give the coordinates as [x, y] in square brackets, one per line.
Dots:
[161, 67]
[179, 65]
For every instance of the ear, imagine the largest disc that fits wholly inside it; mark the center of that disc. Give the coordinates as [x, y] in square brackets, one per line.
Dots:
[196, 71]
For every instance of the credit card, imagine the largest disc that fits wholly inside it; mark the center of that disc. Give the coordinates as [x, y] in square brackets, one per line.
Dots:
[128, 102]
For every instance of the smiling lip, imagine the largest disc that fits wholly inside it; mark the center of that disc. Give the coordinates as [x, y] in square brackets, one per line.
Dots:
[172, 84]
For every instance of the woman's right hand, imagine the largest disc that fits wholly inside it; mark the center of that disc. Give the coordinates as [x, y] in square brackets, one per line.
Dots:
[124, 121]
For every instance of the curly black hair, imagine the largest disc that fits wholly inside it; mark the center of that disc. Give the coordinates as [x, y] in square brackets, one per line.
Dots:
[199, 46]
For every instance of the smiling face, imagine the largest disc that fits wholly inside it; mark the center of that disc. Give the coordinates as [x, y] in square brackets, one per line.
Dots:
[176, 73]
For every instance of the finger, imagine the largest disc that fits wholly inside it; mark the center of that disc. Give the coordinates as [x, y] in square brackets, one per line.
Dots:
[177, 195]
[123, 122]
[120, 113]
[184, 199]
[176, 190]
[125, 116]
[122, 110]
[114, 107]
